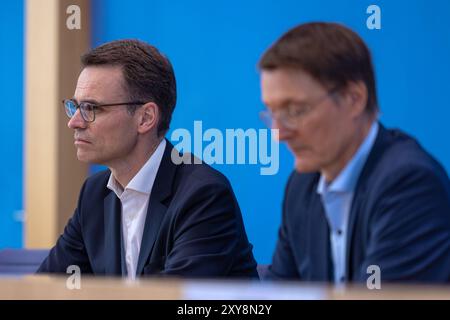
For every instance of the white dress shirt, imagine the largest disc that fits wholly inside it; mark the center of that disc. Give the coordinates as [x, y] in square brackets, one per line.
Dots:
[134, 199]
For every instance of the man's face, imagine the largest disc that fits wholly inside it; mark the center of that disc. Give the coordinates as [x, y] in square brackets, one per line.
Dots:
[320, 135]
[113, 134]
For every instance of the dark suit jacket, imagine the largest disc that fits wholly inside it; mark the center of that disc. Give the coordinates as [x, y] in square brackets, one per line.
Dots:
[193, 228]
[399, 220]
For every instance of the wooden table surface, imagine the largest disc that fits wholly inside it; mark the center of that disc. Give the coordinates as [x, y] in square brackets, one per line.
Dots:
[45, 287]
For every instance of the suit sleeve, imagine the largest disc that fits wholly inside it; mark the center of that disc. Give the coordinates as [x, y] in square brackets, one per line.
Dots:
[283, 263]
[207, 234]
[410, 230]
[69, 249]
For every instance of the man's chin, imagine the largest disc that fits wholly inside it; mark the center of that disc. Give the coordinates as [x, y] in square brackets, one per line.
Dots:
[83, 157]
[302, 165]
[84, 160]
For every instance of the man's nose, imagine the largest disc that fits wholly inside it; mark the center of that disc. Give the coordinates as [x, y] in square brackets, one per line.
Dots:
[77, 121]
[284, 132]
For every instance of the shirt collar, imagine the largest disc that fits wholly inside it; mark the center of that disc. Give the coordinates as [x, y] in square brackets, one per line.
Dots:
[143, 181]
[348, 177]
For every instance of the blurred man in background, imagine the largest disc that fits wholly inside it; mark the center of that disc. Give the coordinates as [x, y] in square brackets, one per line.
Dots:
[145, 215]
[362, 197]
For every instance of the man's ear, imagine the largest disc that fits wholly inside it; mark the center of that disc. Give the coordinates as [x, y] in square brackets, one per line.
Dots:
[148, 117]
[356, 98]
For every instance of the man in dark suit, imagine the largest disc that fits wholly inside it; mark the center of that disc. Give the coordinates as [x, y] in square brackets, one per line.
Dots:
[148, 214]
[363, 201]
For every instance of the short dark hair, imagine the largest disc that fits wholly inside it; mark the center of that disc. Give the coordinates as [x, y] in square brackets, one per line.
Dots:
[148, 74]
[332, 54]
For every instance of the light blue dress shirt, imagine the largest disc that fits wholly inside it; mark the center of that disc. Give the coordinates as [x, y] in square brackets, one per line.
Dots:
[337, 201]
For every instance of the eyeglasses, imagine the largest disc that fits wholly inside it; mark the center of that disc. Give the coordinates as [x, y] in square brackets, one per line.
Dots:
[87, 109]
[291, 116]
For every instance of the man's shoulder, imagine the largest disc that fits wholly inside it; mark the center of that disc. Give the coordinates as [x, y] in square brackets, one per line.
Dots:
[201, 174]
[403, 154]
[398, 166]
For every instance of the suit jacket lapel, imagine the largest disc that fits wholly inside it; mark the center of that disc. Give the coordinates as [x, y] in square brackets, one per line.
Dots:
[360, 195]
[162, 188]
[123, 263]
[358, 200]
[320, 250]
[112, 235]
[155, 215]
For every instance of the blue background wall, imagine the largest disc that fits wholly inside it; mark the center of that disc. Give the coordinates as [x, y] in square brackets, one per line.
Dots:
[11, 130]
[214, 47]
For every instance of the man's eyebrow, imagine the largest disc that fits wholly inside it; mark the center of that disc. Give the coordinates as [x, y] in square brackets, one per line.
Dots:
[290, 101]
[93, 101]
